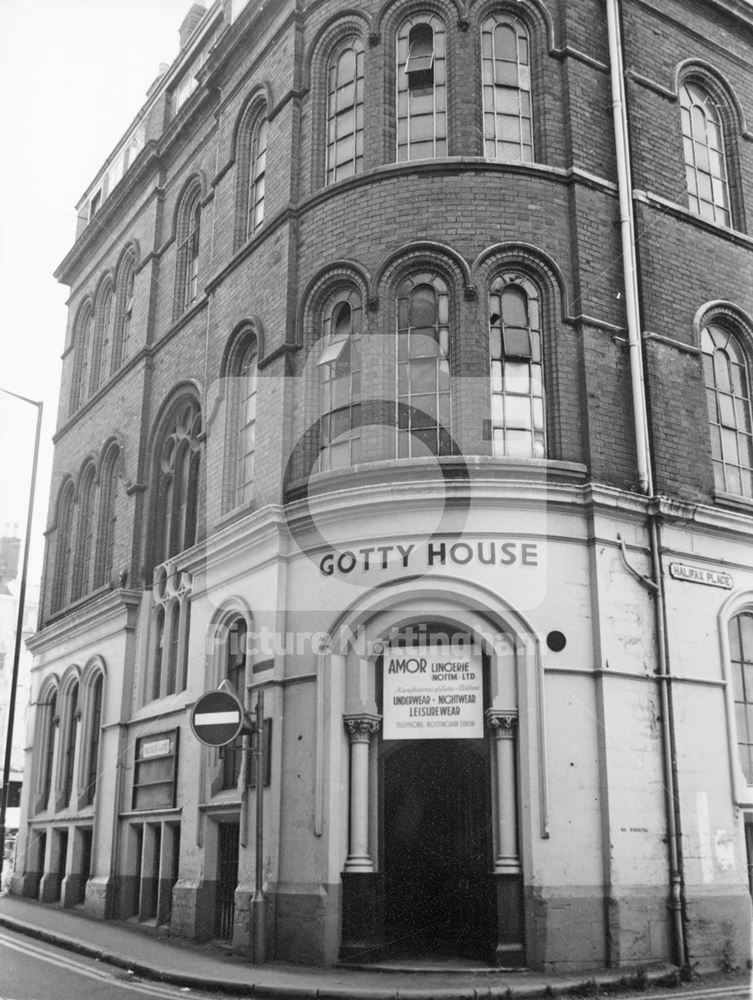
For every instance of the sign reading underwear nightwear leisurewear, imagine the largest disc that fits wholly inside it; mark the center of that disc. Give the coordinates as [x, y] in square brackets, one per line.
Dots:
[432, 692]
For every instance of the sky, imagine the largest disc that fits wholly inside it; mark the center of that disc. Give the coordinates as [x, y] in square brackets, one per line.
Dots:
[73, 74]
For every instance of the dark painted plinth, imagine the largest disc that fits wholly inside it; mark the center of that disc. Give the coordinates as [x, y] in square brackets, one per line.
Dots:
[509, 947]
[363, 915]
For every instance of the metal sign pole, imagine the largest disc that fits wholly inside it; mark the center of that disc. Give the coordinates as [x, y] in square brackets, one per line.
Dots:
[19, 627]
[258, 903]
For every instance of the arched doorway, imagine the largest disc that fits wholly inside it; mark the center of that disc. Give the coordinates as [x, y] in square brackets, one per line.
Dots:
[436, 848]
[407, 788]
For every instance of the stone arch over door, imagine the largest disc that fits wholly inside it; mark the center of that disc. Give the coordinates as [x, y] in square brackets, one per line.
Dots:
[349, 723]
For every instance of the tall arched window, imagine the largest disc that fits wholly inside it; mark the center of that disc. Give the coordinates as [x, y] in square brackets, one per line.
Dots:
[506, 81]
[46, 748]
[70, 733]
[108, 499]
[158, 652]
[84, 534]
[173, 647]
[235, 672]
[94, 737]
[124, 309]
[741, 655]
[423, 367]
[517, 376]
[421, 88]
[340, 374]
[706, 168]
[246, 423]
[187, 284]
[82, 358]
[345, 110]
[257, 176]
[177, 482]
[727, 378]
[63, 544]
[103, 338]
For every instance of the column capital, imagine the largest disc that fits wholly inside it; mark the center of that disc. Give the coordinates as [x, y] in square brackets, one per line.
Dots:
[502, 722]
[361, 727]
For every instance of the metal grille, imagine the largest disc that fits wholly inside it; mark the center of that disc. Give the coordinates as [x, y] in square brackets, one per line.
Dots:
[227, 880]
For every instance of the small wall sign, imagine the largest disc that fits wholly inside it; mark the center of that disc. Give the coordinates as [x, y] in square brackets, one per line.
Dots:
[698, 574]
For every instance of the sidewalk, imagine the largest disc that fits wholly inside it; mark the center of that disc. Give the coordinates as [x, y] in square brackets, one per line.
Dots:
[208, 967]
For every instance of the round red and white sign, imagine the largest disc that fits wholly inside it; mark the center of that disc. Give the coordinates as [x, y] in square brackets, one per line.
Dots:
[217, 718]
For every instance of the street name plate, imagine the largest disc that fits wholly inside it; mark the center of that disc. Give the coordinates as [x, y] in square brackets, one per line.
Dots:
[698, 574]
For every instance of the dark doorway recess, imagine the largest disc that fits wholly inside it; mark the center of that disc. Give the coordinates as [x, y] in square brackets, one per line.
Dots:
[227, 880]
[439, 894]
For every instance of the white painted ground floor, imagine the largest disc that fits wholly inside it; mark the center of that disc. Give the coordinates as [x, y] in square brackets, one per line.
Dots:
[498, 724]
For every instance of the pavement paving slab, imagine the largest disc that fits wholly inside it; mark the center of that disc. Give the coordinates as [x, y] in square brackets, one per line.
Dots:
[154, 955]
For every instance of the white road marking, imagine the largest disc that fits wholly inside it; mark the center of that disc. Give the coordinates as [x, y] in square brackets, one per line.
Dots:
[63, 962]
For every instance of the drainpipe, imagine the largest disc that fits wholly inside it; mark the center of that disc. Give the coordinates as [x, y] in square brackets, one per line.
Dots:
[643, 453]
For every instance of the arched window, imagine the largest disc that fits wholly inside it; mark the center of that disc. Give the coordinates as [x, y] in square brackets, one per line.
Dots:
[706, 168]
[103, 340]
[741, 655]
[246, 423]
[727, 378]
[421, 88]
[506, 81]
[84, 534]
[340, 374]
[46, 748]
[423, 367]
[94, 737]
[173, 648]
[187, 285]
[235, 672]
[177, 482]
[108, 499]
[257, 176]
[345, 110]
[70, 733]
[82, 358]
[124, 310]
[517, 376]
[63, 545]
[158, 651]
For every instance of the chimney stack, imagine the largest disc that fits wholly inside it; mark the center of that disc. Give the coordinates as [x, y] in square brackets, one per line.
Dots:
[10, 550]
[190, 21]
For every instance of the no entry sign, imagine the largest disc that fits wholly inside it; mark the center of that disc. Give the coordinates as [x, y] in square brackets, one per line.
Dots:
[217, 718]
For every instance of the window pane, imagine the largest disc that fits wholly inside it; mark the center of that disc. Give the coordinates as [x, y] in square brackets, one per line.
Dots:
[517, 378]
[517, 343]
[505, 42]
[423, 307]
[726, 410]
[497, 409]
[519, 443]
[422, 376]
[741, 718]
[518, 411]
[729, 446]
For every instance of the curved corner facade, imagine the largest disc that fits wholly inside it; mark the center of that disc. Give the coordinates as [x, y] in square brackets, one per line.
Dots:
[347, 418]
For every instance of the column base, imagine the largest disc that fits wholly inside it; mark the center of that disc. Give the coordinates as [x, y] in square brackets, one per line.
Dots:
[509, 948]
[362, 915]
[362, 865]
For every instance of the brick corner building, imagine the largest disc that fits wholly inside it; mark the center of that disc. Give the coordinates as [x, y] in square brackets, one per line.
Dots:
[408, 382]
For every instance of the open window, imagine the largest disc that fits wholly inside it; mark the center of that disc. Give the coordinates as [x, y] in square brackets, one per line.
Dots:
[421, 88]
[516, 363]
[340, 374]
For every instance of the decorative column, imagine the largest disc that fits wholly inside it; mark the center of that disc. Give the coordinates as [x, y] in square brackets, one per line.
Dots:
[509, 951]
[360, 729]
[503, 725]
